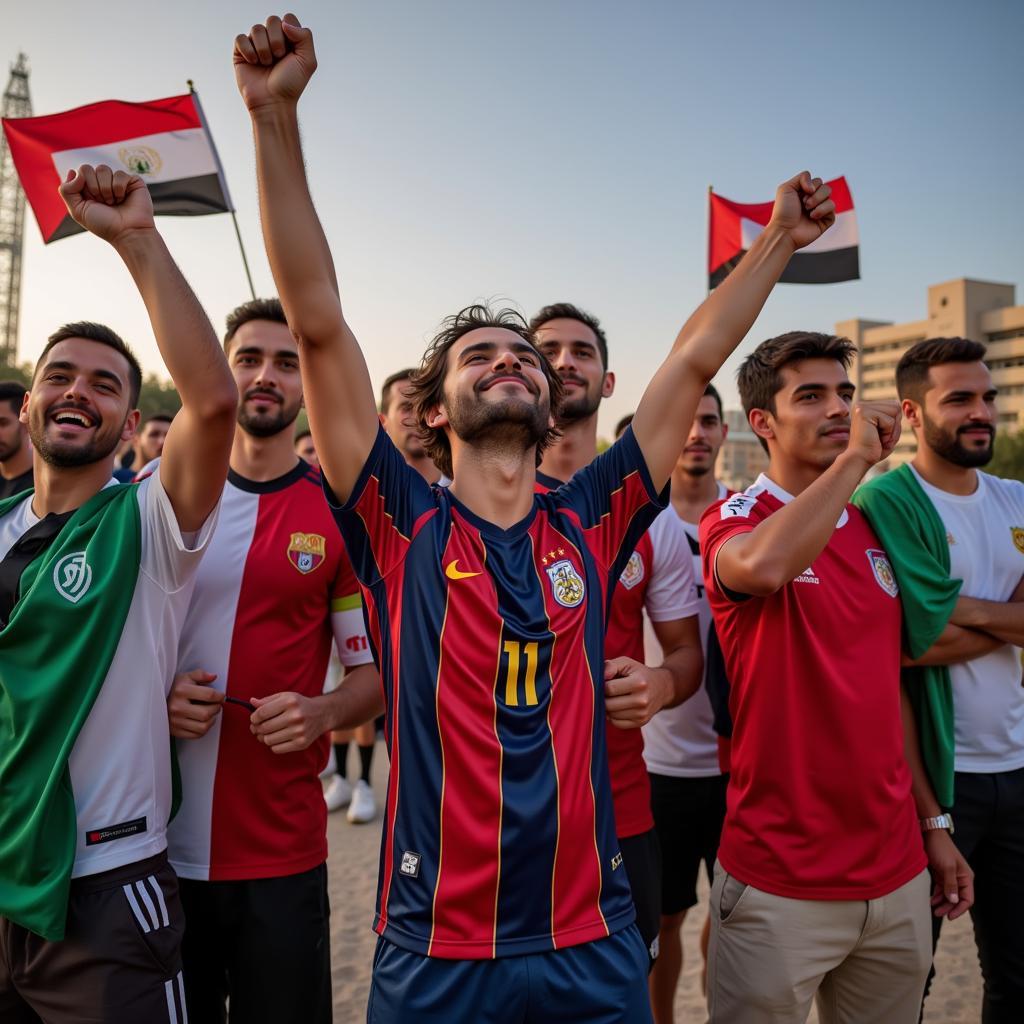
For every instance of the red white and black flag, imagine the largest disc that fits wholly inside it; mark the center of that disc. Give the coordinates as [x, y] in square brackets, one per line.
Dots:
[833, 257]
[165, 142]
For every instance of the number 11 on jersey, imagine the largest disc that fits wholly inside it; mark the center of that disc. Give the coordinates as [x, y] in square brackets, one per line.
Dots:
[513, 648]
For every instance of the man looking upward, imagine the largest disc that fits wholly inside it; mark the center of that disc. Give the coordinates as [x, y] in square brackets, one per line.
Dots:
[501, 891]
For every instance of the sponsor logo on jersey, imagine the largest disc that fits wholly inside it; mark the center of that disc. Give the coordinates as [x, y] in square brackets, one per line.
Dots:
[737, 505]
[306, 551]
[1018, 538]
[453, 572]
[884, 576]
[72, 577]
[634, 571]
[807, 576]
[616, 862]
[950, 539]
[410, 864]
[566, 583]
[109, 833]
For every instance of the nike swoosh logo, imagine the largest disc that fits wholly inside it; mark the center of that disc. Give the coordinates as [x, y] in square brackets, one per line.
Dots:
[452, 571]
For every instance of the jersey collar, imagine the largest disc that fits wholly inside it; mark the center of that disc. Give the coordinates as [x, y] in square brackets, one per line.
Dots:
[765, 484]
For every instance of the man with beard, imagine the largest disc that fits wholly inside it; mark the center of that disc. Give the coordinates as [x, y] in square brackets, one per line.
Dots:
[501, 893]
[15, 446]
[147, 445]
[249, 841]
[957, 538]
[94, 584]
[657, 579]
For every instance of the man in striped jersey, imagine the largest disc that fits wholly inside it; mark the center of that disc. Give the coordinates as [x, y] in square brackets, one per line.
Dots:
[94, 584]
[276, 587]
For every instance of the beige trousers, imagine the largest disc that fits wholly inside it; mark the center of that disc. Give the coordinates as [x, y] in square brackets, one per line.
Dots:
[865, 960]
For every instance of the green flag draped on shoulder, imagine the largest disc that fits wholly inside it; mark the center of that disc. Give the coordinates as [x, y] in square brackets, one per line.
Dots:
[914, 538]
[54, 656]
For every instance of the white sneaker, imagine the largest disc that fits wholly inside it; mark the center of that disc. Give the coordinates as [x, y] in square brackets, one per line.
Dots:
[363, 807]
[338, 793]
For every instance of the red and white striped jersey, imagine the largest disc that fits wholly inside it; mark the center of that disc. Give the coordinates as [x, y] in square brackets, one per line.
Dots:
[273, 590]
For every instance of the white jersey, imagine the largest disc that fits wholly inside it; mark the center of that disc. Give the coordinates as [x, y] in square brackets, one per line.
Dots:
[681, 741]
[120, 764]
[985, 531]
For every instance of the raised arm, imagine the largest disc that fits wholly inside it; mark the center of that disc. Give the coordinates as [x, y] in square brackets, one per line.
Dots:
[780, 547]
[273, 65]
[802, 212]
[117, 207]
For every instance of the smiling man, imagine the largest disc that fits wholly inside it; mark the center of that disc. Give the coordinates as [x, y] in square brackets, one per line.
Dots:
[94, 585]
[502, 894]
[957, 539]
[821, 887]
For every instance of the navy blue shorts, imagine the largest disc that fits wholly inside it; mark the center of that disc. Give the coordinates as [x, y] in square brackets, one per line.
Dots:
[602, 982]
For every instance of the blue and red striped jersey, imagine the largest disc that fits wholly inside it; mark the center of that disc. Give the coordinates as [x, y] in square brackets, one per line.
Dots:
[499, 835]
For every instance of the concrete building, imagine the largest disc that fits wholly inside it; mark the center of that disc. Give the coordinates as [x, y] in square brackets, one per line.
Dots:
[741, 457]
[981, 310]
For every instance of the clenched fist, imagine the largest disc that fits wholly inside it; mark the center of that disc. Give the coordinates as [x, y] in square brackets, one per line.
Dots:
[274, 62]
[107, 203]
[803, 208]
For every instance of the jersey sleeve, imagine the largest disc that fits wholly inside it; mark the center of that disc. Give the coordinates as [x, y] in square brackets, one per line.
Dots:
[169, 556]
[347, 617]
[381, 515]
[615, 501]
[671, 593]
[721, 522]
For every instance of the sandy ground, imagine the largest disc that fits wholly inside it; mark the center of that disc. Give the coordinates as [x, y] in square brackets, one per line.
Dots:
[352, 863]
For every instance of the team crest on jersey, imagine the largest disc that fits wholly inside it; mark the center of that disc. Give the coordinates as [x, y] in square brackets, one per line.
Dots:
[884, 576]
[634, 571]
[1018, 538]
[566, 583]
[72, 577]
[306, 551]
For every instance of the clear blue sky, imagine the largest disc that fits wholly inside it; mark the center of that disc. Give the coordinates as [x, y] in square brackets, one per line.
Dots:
[549, 150]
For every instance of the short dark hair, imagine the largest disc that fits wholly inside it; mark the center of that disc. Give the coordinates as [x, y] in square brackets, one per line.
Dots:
[623, 423]
[912, 369]
[760, 374]
[102, 335]
[395, 378]
[254, 309]
[12, 391]
[712, 392]
[301, 434]
[427, 383]
[157, 417]
[567, 311]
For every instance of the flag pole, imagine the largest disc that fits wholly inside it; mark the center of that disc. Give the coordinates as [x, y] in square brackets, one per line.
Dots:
[707, 274]
[223, 183]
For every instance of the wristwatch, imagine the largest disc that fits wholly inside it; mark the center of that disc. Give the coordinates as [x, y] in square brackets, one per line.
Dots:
[940, 821]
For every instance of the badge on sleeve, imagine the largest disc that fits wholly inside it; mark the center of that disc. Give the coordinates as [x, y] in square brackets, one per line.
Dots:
[884, 576]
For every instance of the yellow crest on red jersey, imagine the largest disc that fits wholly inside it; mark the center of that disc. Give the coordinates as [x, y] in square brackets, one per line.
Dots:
[307, 550]
[566, 583]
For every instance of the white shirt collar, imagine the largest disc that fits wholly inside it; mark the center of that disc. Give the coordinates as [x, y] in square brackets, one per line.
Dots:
[764, 483]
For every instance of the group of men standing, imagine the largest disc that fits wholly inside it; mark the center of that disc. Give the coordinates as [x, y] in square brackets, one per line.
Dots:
[837, 676]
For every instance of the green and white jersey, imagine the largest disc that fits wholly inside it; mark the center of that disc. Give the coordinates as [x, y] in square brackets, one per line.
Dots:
[120, 762]
[985, 532]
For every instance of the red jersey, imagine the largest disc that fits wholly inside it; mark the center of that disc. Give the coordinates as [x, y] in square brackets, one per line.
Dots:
[819, 802]
[274, 588]
[659, 578]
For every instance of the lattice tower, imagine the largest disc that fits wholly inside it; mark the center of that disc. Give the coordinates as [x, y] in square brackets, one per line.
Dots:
[17, 103]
